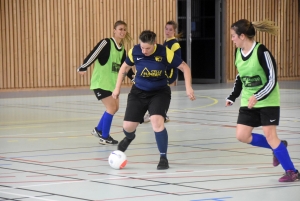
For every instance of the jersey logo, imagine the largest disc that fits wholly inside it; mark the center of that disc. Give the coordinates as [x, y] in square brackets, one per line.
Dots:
[152, 73]
[251, 81]
[115, 67]
[158, 58]
[139, 58]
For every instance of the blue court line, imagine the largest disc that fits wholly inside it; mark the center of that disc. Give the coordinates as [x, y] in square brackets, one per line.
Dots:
[4, 164]
[214, 199]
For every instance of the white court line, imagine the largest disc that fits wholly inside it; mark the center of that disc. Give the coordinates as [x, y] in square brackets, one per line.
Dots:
[82, 131]
[138, 176]
[27, 196]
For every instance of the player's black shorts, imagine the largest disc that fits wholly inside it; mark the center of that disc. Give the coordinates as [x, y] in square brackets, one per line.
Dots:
[101, 93]
[139, 101]
[256, 117]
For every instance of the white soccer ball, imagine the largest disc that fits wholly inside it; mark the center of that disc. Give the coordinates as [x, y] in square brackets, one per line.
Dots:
[117, 159]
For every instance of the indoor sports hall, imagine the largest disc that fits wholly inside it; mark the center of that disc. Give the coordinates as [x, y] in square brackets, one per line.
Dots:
[47, 152]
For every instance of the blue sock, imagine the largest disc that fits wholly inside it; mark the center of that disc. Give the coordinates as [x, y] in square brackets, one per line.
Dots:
[106, 124]
[283, 157]
[100, 124]
[259, 140]
[162, 142]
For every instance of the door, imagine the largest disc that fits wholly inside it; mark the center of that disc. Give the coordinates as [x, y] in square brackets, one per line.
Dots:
[200, 23]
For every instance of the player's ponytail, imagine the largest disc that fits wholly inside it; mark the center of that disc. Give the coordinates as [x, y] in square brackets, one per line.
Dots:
[248, 28]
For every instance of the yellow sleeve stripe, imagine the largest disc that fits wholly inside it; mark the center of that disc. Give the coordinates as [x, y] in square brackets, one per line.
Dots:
[175, 47]
[170, 55]
[171, 73]
[130, 55]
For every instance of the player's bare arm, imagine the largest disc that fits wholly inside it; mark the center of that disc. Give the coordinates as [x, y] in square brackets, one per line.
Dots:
[188, 80]
[122, 74]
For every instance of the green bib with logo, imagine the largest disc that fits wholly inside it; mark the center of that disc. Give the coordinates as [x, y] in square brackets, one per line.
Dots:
[105, 76]
[254, 78]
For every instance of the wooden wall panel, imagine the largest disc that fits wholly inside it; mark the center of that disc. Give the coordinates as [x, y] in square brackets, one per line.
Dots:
[285, 47]
[44, 41]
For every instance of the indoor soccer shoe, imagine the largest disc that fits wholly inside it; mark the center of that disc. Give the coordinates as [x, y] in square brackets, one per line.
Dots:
[96, 133]
[109, 140]
[163, 164]
[275, 160]
[167, 119]
[290, 176]
[147, 118]
[123, 145]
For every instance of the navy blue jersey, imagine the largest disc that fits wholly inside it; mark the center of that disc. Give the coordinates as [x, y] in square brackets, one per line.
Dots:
[173, 45]
[150, 70]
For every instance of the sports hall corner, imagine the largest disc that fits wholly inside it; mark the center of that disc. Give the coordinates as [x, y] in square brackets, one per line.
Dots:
[50, 148]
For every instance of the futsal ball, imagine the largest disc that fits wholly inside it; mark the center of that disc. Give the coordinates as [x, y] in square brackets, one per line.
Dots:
[117, 159]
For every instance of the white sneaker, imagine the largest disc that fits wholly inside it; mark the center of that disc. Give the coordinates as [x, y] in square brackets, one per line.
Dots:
[147, 118]
[167, 119]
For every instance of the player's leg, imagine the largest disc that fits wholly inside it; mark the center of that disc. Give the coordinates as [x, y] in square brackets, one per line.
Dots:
[135, 110]
[158, 106]
[247, 120]
[103, 128]
[270, 120]
[112, 106]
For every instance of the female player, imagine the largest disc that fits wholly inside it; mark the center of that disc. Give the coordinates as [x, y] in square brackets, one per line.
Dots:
[260, 99]
[151, 90]
[171, 42]
[108, 56]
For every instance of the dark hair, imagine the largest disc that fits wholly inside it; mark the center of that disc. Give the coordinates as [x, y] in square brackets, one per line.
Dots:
[248, 28]
[148, 36]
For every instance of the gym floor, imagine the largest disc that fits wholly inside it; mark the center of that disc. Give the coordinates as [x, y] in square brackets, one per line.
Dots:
[47, 151]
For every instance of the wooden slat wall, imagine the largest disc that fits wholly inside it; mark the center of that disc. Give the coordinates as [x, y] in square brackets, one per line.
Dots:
[285, 47]
[44, 41]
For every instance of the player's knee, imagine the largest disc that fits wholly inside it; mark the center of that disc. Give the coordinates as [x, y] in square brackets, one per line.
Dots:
[242, 137]
[270, 133]
[157, 122]
[129, 126]
[113, 109]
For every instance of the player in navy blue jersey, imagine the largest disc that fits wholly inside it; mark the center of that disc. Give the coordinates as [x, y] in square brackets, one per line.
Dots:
[150, 91]
[171, 42]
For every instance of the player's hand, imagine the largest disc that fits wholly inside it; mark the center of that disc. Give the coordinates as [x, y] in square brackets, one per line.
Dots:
[81, 72]
[251, 102]
[116, 93]
[190, 94]
[228, 103]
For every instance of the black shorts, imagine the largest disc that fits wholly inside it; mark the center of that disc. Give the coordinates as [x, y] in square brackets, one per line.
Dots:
[101, 93]
[139, 101]
[256, 117]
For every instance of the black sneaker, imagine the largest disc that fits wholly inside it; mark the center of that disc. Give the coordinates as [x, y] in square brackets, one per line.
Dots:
[163, 164]
[275, 160]
[108, 140]
[123, 145]
[96, 133]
